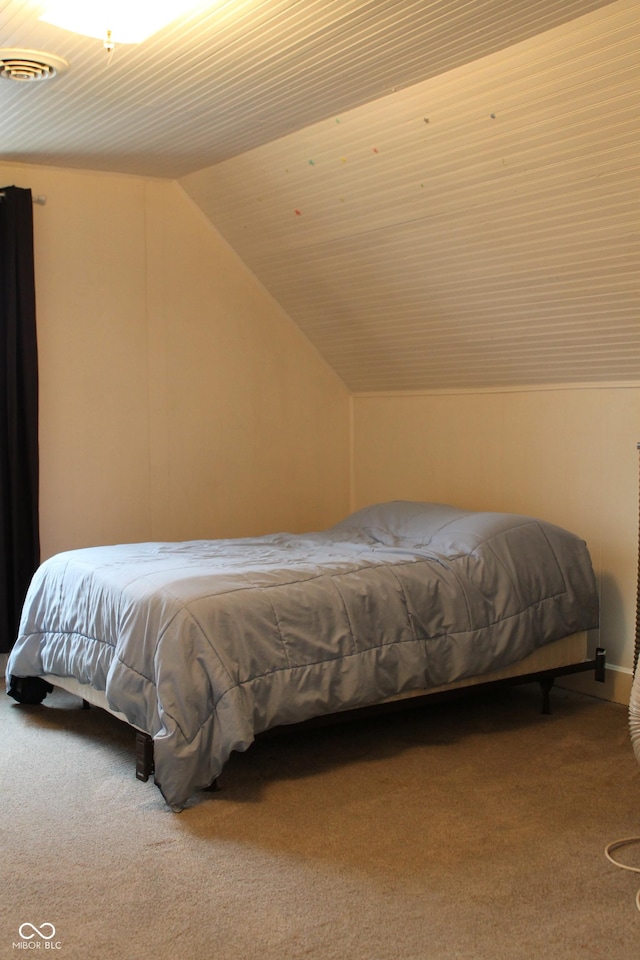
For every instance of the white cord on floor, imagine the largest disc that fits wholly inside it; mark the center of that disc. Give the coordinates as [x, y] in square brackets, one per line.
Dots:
[616, 845]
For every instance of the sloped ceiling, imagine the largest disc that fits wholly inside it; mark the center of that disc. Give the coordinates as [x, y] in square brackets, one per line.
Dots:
[440, 194]
[478, 229]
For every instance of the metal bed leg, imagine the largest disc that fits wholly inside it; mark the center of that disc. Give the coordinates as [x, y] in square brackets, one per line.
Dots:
[601, 660]
[144, 760]
[546, 685]
[144, 756]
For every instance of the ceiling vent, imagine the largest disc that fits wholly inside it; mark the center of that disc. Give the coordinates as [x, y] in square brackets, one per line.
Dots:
[28, 65]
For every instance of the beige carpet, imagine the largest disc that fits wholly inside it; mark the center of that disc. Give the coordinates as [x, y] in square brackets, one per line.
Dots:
[470, 830]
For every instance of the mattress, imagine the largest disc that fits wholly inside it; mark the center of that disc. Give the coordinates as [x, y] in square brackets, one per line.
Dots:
[566, 652]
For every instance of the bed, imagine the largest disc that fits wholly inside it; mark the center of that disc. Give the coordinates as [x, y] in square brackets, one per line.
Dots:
[202, 645]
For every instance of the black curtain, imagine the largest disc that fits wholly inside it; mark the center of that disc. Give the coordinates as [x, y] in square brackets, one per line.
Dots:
[19, 481]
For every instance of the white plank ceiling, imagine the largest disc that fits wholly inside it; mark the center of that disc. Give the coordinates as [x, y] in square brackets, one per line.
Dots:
[440, 194]
[231, 74]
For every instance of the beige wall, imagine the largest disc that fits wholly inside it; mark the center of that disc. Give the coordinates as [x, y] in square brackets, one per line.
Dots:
[248, 419]
[567, 455]
[176, 399]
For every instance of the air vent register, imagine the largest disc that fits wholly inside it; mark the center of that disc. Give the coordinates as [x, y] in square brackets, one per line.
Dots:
[27, 66]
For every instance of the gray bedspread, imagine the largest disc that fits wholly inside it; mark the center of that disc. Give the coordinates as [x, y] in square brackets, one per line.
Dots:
[206, 643]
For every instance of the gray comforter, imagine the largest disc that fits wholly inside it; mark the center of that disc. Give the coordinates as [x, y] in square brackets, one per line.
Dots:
[206, 643]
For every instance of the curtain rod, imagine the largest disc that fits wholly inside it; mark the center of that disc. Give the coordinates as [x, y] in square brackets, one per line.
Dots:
[41, 199]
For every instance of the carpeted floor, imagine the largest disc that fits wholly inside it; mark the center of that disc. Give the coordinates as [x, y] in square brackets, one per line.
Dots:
[473, 829]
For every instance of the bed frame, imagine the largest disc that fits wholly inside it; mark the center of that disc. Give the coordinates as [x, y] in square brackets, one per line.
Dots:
[544, 666]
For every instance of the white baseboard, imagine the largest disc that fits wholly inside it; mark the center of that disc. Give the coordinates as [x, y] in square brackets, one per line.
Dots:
[616, 687]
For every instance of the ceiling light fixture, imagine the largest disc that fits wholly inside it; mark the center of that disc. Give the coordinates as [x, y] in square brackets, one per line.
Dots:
[113, 21]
